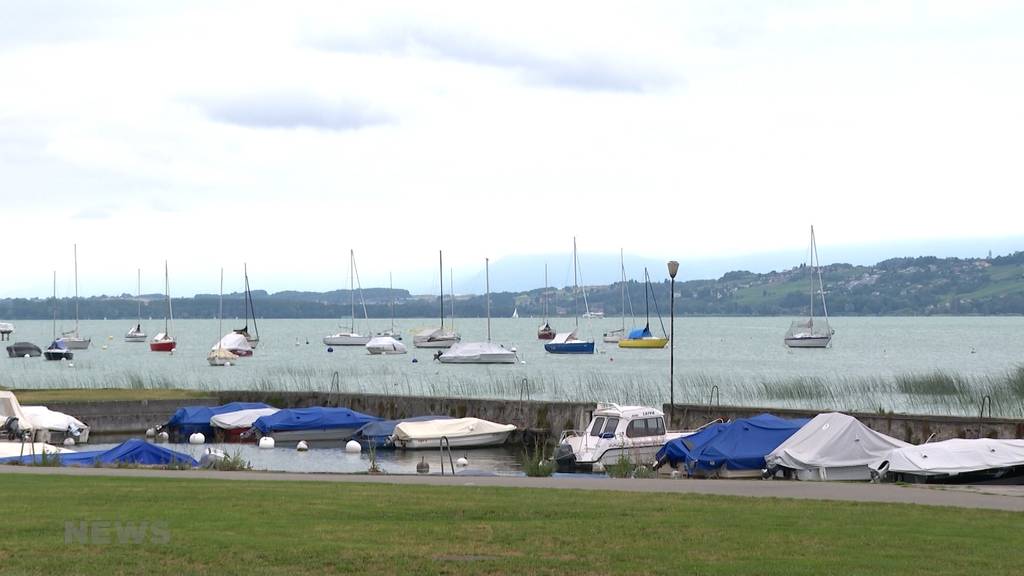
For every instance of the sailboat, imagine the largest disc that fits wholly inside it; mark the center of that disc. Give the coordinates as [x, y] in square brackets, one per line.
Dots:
[480, 352]
[137, 334]
[57, 350]
[567, 342]
[807, 333]
[642, 337]
[545, 331]
[73, 340]
[250, 312]
[164, 342]
[219, 355]
[439, 337]
[391, 332]
[351, 338]
[515, 312]
[613, 336]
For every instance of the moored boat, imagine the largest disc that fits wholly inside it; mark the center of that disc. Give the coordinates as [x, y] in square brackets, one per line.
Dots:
[439, 337]
[459, 433]
[250, 314]
[58, 350]
[188, 420]
[163, 341]
[311, 424]
[23, 349]
[642, 337]
[956, 461]
[568, 342]
[137, 334]
[385, 345]
[635, 433]
[73, 338]
[351, 337]
[807, 333]
[480, 352]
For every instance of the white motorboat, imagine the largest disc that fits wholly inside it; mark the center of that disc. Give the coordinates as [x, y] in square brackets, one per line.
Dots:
[53, 426]
[229, 426]
[956, 461]
[385, 345]
[351, 337]
[459, 432]
[807, 333]
[480, 352]
[614, 432]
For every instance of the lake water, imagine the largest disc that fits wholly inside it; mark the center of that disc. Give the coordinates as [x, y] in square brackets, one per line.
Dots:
[744, 357]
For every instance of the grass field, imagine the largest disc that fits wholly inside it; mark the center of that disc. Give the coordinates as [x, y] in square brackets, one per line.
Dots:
[222, 527]
[104, 395]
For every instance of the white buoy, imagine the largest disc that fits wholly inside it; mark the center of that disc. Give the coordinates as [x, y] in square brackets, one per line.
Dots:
[353, 447]
[674, 474]
[104, 347]
[110, 337]
[462, 461]
[598, 467]
[150, 432]
[302, 446]
[163, 437]
[27, 356]
[266, 442]
[69, 441]
[197, 438]
[70, 364]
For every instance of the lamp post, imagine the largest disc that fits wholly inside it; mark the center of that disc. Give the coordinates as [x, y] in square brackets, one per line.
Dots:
[673, 267]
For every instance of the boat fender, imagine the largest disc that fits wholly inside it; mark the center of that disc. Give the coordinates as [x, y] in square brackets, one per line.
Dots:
[462, 462]
[150, 432]
[266, 443]
[69, 441]
[415, 361]
[302, 446]
[353, 447]
[163, 437]
[422, 467]
[197, 438]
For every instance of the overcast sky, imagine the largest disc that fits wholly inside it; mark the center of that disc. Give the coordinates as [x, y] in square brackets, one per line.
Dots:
[213, 133]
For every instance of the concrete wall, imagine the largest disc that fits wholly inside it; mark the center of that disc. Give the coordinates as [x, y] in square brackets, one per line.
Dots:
[536, 419]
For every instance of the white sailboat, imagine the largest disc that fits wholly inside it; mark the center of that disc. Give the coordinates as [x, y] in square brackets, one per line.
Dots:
[137, 334]
[545, 331]
[351, 338]
[613, 336]
[439, 337]
[250, 313]
[57, 350]
[219, 355]
[73, 339]
[810, 333]
[480, 352]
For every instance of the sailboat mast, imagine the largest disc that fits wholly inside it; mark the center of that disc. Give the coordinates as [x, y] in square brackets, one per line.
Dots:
[622, 268]
[647, 306]
[391, 289]
[575, 286]
[451, 294]
[487, 274]
[440, 275]
[138, 292]
[811, 275]
[352, 286]
[220, 314]
[170, 311]
[76, 291]
[545, 293]
[54, 304]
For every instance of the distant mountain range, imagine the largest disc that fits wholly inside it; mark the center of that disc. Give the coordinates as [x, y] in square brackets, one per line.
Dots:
[897, 286]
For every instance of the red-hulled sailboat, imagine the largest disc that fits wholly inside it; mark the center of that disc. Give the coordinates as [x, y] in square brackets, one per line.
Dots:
[164, 342]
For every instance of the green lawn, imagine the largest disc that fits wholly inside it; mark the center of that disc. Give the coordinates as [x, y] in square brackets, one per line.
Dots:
[293, 528]
[104, 394]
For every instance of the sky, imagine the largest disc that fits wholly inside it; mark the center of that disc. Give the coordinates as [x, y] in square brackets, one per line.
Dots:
[213, 133]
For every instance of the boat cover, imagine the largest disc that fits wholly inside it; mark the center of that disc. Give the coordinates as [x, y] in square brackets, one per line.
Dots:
[134, 451]
[385, 343]
[376, 433]
[452, 428]
[239, 418]
[191, 419]
[833, 440]
[232, 341]
[563, 337]
[640, 333]
[471, 350]
[11, 408]
[57, 344]
[741, 444]
[42, 418]
[315, 418]
[6, 327]
[19, 349]
[954, 456]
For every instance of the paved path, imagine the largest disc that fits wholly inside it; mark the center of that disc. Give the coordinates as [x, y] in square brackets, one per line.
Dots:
[990, 497]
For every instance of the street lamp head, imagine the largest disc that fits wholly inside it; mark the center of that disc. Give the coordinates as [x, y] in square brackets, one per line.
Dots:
[673, 267]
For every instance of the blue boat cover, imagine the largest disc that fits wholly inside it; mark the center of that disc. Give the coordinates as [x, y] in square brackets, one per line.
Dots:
[738, 445]
[191, 419]
[58, 344]
[377, 433]
[132, 451]
[638, 333]
[315, 418]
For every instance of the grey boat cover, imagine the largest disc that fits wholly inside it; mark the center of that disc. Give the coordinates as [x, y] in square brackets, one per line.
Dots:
[956, 456]
[833, 446]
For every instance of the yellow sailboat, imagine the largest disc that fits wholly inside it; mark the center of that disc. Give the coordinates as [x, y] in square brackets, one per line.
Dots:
[642, 337]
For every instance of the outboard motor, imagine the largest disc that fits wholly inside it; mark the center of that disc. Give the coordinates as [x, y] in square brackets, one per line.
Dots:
[12, 427]
[879, 474]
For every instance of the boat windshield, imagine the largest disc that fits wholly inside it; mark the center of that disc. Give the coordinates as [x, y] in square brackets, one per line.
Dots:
[596, 425]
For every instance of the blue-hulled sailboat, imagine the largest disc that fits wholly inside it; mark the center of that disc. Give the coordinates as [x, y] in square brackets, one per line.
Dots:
[567, 342]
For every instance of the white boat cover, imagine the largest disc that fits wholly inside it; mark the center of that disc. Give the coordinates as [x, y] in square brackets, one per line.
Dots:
[386, 345]
[15, 449]
[6, 327]
[470, 352]
[239, 418]
[11, 408]
[452, 428]
[833, 441]
[954, 456]
[233, 341]
[42, 417]
[563, 337]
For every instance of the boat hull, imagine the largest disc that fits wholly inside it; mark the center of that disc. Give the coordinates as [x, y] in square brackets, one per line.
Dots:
[545, 335]
[469, 441]
[20, 349]
[58, 355]
[486, 358]
[570, 347]
[135, 337]
[346, 340]
[1005, 476]
[809, 342]
[314, 435]
[77, 343]
[643, 343]
[163, 346]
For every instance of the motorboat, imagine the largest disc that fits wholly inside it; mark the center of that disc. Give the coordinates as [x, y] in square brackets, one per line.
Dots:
[807, 333]
[310, 424]
[956, 461]
[55, 427]
[134, 452]
[14, 423]
[23, 349]
[385, 345]
[615, 432]
[188, 420]
[454, 432]
[229, 426]
[58, 350]
[832, 446]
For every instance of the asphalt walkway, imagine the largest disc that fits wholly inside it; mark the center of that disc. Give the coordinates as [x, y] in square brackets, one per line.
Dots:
[1010, 498]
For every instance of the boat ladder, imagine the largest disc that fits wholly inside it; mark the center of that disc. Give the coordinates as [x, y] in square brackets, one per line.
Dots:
[442, 444]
